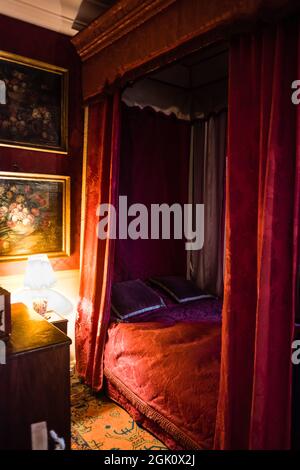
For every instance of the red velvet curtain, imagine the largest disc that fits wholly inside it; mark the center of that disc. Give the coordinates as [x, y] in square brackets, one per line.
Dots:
[262, 221]
[98, 255]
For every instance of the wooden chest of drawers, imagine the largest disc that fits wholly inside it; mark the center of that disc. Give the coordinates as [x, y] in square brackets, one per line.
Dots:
[35, 381]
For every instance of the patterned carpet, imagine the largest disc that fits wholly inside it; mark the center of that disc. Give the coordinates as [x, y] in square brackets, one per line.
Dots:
[100, 424]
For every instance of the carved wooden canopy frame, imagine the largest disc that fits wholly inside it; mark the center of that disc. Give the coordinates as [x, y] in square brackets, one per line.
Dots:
[135, 37]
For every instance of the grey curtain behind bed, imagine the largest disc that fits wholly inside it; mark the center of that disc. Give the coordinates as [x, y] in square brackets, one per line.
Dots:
[206, 186]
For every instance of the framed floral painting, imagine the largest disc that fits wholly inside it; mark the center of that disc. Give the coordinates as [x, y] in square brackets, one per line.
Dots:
[34, 215]
[33, 104]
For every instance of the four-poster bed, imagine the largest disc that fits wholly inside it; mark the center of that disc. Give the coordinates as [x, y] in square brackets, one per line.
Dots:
[164, 368]
[262, 200]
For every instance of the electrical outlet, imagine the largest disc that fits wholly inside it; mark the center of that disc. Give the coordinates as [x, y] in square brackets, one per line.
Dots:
[39, 436]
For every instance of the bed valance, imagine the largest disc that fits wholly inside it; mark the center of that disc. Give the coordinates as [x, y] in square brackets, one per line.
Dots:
[136, 36]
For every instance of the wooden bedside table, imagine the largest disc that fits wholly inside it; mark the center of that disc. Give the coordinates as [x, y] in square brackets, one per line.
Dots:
[35, 381]
[57, 320]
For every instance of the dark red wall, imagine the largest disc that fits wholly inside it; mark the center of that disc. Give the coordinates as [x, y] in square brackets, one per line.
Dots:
[54, 48]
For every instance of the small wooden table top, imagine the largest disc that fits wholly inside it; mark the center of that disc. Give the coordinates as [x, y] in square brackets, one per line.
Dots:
[30, 331]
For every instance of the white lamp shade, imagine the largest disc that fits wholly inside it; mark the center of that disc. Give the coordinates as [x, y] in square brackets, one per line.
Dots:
[39, 273]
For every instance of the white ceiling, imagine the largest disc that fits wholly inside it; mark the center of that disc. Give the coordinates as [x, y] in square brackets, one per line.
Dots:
[64, 16]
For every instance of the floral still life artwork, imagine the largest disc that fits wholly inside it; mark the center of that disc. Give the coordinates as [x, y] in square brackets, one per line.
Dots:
[33, 104]
[34, 215]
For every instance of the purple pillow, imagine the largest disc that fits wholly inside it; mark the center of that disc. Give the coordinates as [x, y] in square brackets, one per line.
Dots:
[131, 298]
[179, 288]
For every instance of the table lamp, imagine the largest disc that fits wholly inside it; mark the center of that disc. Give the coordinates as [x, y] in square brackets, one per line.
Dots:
[39, 275]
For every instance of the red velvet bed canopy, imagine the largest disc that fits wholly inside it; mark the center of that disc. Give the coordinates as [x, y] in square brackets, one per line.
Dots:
[137, 36]
[133, 38]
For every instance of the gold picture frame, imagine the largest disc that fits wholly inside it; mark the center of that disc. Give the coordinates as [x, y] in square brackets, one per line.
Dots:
[34, 215]
[33, 104]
